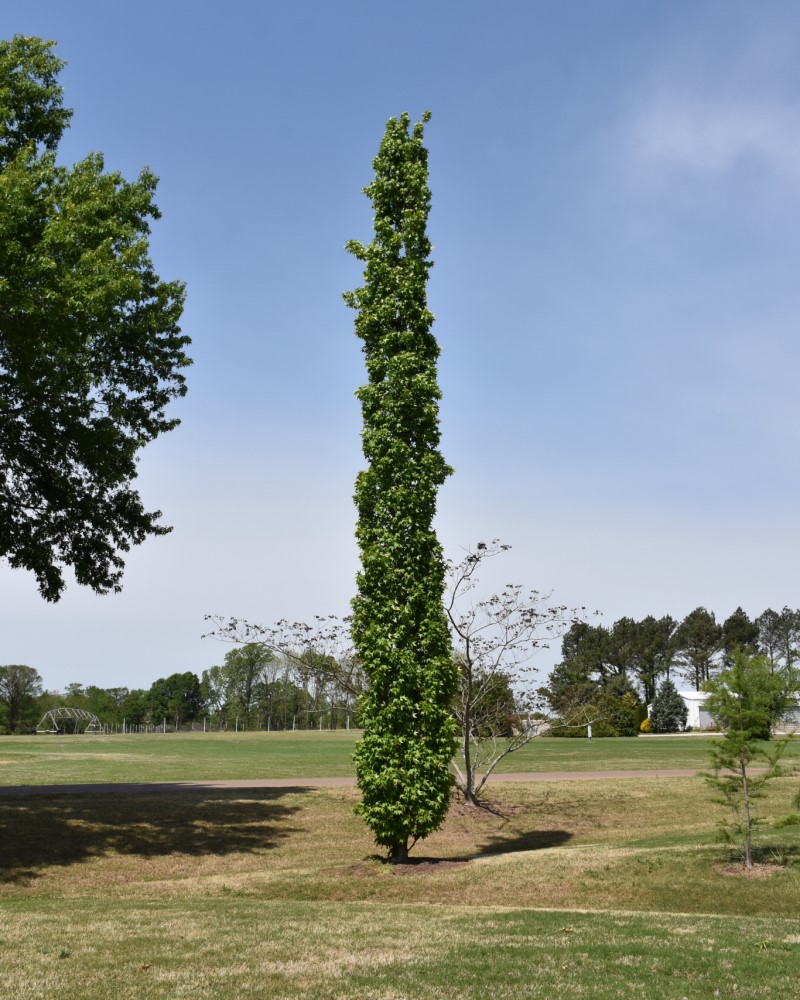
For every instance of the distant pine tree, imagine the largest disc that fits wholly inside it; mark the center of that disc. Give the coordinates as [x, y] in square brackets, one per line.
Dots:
[668, 713]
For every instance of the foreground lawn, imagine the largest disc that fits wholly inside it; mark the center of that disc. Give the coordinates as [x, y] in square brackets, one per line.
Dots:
[229, 948]
[42, 760]
[583, 889]
[594, 844]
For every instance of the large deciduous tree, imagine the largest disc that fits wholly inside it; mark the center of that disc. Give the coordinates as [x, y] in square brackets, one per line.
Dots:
[399, 627]
[90, 348]
[19, 685]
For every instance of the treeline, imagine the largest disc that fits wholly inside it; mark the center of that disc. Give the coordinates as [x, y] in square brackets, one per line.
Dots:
[618, 670]
[252, 689]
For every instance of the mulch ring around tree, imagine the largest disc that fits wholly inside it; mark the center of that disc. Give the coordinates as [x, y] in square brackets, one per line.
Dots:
[414, 866]
[757, 871]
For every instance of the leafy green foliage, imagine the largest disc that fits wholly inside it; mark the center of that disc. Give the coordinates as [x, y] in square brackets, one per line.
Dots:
[698, 640]
[90, 347]
[668, 712]
[399, 628]
[178, 698]
[19, 687]
[779, 635]
[738, 632]
[745, 700]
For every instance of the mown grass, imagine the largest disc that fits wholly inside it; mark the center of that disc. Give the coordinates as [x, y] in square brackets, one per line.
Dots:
[229, 948]
[594, 844]
[42, 760]
[600, 889]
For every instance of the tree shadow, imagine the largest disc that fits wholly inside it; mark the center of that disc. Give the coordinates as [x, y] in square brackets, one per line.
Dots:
[41, 832]
[530, 840]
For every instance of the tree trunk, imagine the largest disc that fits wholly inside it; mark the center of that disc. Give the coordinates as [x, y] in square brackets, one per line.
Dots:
[400, 854]
[748, 841]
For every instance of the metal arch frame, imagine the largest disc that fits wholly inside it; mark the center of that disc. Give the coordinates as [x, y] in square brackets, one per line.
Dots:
[78, 715]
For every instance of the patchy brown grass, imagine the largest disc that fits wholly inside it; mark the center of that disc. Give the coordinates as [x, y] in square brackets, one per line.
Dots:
[601, 889]
[595, 844]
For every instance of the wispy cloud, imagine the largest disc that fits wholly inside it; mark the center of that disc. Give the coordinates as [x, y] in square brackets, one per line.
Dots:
[713, 136]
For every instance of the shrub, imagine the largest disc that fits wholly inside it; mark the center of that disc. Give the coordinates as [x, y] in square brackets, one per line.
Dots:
[644, 726]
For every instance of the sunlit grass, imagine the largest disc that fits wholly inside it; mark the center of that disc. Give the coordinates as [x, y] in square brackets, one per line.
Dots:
[581, 889]
[41, 760]
[232, 947]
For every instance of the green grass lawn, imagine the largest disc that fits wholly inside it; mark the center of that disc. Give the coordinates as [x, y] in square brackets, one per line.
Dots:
[43, 760]
[230, 948]
[585, 889]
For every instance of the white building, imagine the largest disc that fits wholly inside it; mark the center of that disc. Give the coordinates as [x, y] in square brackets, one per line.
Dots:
[698, 717]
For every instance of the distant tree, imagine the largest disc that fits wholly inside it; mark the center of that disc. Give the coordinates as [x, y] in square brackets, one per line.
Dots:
[569, 685]
[615, 709]
[698, 641]
[320, 655]
[134, 708]
[245, 673]
[668, 711]
[738, 632]
[745, 700]
[19, 687]
[177, 698]
[90, 348]
[653, 652]
[779, 636]
[594, 656]
[582, 670]
[214, 689]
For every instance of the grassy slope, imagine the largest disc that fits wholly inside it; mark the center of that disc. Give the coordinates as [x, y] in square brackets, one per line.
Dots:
[197, 756]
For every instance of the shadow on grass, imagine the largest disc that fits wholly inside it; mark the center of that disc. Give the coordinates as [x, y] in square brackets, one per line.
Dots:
[41, 832]
[531, 840]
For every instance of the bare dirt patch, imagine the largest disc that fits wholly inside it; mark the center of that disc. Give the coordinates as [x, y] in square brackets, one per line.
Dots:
[757, 871]
[488, 810]
[416, 866]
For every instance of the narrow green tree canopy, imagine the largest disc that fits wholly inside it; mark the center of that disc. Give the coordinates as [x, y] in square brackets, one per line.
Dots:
[399, 627]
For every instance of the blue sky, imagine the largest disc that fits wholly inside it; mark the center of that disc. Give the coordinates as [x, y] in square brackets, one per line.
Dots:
[616, 227]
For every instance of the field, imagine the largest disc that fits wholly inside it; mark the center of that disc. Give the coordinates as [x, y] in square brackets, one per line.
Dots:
[44, 760]
[599, 889]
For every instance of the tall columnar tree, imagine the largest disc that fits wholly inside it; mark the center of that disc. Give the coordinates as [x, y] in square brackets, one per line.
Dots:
[399, 627]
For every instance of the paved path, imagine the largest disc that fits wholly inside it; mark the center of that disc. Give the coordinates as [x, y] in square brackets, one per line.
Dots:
[180, 786]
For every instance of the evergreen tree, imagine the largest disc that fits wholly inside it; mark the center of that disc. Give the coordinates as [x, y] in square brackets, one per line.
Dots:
[738, 632]
[668, 712]
[698, 640]
[745, 700]
[399, 627]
